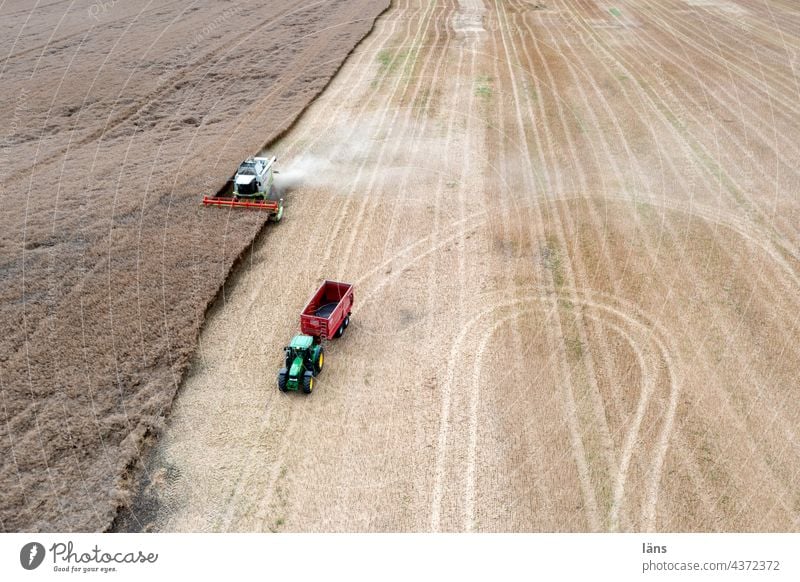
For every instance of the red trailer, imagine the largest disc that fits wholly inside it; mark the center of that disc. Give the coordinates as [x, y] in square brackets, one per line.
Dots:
[327, 313]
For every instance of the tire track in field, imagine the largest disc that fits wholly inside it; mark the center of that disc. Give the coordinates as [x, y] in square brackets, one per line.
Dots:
[453, 113]
[510, 212]
[509, 208]
[623, 460]
[732, 221]
[412, 133]
[676, 237]
[707, 82]
[704, 83]
[746, 71]
[693, 147]
[604, 307]
[469, 28]
[632, 434]
[590, 501]
[415, 44]
[579, 269]
[463, 24]
[572, 266]
[538, 268]
[406, 131]
[472, 446]
[605, 312]
[617, 467]
[706, 41]
[696, 150]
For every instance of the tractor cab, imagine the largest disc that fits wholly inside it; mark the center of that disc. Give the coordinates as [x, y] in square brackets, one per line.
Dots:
[300, 347]
[304, 360]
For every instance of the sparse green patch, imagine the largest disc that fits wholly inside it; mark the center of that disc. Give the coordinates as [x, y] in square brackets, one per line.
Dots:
[552, 261]
[579, 123]
[385, 58]
[615, 12]
[390, 62]
[644, 208]
[421, 102]
[484, 87]
[574, 348]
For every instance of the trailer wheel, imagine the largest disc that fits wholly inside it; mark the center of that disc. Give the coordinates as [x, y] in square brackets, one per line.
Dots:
[308, 382]
[346, 321]
[339, 331]
[282, 380]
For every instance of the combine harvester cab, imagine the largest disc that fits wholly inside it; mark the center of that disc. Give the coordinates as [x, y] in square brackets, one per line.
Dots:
[325, 316]
[251, 187]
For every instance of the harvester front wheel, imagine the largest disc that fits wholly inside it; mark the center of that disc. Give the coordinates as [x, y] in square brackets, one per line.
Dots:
[319, 360]
[278, 215]
[282, 380]
[308, 382]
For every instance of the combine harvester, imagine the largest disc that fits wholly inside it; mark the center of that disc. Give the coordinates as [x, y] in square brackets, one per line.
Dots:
[251, 187]
[325, 316]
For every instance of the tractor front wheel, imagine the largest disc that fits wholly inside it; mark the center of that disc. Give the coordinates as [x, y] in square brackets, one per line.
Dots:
[282, 380]
[308, 382]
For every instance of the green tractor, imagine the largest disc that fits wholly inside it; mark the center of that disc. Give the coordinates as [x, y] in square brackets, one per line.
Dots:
[304, 360]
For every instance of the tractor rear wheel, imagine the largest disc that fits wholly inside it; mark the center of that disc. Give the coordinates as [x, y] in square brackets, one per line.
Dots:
[319, 360]
[282, 380]
[308, 382]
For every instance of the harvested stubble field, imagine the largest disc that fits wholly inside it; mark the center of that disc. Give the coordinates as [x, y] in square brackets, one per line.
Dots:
[116, 118]
[572, 227]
